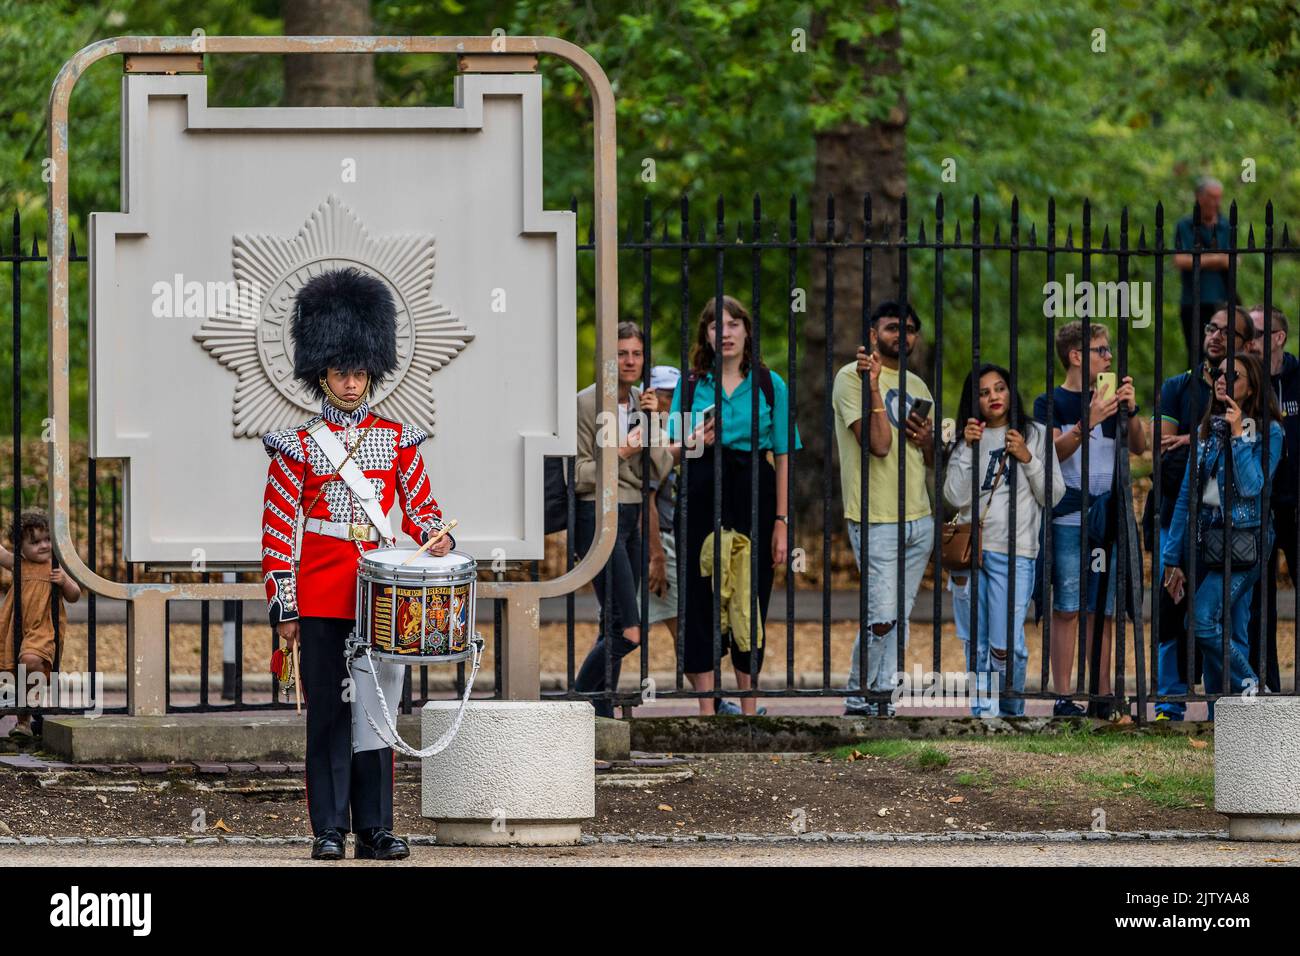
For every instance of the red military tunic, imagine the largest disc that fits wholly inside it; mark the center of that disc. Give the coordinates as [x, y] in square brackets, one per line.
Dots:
[324, 583]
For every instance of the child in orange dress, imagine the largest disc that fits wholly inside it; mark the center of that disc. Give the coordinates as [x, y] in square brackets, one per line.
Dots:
[30, 536]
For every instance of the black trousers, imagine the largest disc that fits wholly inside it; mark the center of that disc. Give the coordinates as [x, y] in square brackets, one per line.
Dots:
[736, 514]
[1284, 530]
[619, 610]
[345, 791]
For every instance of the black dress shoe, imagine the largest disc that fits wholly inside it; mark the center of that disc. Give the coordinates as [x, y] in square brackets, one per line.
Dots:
[381, 845]
[328, 846]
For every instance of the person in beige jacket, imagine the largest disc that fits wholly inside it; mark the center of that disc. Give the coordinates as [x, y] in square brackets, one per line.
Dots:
[620, 620]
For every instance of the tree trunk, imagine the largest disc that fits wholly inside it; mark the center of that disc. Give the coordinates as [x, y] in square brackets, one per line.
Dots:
[851, 161]
[328, 80]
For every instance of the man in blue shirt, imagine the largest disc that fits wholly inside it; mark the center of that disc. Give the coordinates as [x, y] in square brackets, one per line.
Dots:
[1210, 233]
[1284, 375]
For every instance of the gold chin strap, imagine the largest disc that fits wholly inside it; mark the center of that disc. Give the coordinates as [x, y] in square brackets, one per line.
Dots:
[340, 403]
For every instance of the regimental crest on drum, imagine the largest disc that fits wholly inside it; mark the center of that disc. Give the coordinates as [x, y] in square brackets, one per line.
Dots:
[421, 610]
[426, 621]
[249, 333]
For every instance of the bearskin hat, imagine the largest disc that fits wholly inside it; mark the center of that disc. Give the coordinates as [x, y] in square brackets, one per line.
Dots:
[343, 319]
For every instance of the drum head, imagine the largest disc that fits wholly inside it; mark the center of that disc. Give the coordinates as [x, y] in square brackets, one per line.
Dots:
[395, 557]
[386, 564]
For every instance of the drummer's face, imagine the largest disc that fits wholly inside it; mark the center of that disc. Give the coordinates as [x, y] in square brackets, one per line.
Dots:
[348, 384]
[631, 361]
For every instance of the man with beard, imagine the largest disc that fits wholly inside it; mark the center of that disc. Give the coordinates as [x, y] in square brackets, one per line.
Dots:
[889, 323]
[1182, 404]
[1284, 375]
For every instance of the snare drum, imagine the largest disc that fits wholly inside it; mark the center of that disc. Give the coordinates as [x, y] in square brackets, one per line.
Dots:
[417, 613]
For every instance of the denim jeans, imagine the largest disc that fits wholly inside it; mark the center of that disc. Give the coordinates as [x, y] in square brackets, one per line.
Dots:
[1171, 669]
[987, 655]
[1169, 679]
[960, 590]
[1066, 568]
[882, 597]
[1207, 623]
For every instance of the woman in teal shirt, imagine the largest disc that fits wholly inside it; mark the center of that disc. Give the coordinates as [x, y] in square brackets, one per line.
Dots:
[736, 421]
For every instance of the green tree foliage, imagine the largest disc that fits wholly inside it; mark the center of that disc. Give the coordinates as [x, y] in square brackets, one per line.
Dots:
[720, 97]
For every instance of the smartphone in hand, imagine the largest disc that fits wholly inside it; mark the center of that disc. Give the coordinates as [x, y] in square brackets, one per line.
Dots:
[1107, 385]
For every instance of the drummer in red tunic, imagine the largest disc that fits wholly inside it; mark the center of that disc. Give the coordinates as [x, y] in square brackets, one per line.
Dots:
[340, 471]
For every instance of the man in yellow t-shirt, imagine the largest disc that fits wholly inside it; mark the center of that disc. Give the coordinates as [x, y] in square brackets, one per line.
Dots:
[881, 432]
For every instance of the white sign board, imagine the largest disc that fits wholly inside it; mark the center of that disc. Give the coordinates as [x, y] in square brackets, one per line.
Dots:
[226, 212]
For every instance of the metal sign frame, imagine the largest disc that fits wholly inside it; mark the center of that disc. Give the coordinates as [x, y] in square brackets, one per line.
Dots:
[147, 601]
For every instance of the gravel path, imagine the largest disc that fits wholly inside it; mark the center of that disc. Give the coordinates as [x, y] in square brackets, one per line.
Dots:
[1127, 853]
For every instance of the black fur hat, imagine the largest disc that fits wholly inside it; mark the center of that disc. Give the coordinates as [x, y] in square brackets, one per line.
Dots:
[343, 319]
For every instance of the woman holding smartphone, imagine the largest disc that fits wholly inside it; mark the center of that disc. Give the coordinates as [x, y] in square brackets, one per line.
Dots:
[1228, 468]
[1008, 448]
[726, 430]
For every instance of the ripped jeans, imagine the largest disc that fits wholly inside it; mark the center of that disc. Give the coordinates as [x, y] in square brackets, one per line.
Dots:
[882, 598]
[987, 658]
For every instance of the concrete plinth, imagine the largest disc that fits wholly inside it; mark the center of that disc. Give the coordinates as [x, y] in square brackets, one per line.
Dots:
[519, 771]
[1257, 766]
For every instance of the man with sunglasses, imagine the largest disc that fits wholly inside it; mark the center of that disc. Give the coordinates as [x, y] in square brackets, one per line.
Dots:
[1182, 404]
[1068, 524]
[1284, 375]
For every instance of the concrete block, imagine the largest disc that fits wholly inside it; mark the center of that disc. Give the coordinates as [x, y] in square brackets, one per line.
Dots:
[1257, 766]
[248, 737]
[518, 772]
[613, 739]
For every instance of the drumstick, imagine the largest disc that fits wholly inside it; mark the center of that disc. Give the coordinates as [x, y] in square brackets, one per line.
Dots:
[297, 682]
[432, 541]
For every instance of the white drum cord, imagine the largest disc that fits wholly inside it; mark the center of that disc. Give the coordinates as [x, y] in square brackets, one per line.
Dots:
[389, 731]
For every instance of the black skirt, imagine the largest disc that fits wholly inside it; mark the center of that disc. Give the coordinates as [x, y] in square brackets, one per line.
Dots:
[697, 625]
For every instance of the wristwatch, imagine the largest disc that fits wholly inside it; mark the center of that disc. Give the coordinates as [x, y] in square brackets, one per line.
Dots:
[785, 518]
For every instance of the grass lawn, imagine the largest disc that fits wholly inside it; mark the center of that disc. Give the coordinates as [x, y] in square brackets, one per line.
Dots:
[1172, 772]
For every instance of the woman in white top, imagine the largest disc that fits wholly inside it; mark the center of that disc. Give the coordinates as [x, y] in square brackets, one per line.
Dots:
[1011, 452]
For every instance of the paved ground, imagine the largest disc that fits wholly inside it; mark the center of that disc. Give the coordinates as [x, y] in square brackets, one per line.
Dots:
[1149, 853]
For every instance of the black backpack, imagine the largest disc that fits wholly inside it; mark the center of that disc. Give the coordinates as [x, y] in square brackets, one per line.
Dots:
[557, 496]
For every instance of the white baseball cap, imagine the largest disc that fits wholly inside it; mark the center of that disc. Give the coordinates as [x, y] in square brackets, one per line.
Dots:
[664, 377]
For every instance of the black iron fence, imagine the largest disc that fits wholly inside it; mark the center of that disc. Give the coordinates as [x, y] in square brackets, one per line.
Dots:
[980, 298]
[828, 245]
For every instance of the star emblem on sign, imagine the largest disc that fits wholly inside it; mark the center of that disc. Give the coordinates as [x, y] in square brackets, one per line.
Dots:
[248, 330]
